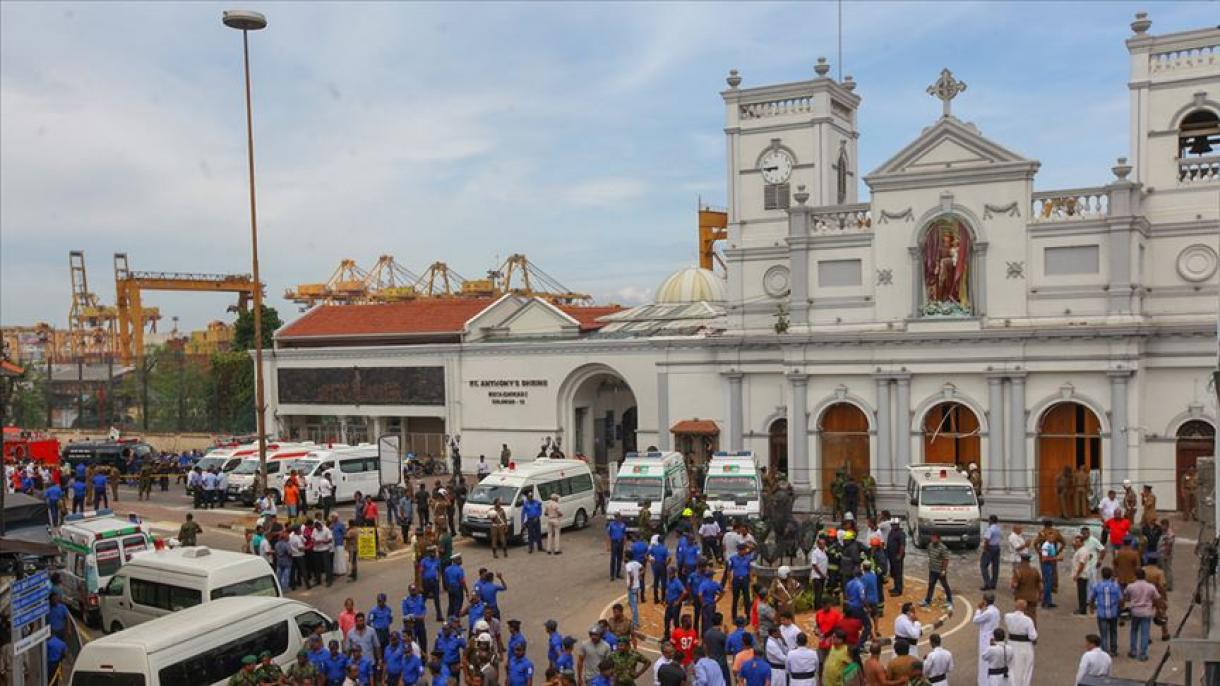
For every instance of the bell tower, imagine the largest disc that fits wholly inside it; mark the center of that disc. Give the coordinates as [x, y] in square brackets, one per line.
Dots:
[1175, 111]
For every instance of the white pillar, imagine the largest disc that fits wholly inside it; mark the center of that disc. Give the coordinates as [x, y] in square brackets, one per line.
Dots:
[902, 434]
[662, 413]
[798, 441]
[994, 475]
[885, 458]
[1016, 432]
[1119, 467]
[735, 411]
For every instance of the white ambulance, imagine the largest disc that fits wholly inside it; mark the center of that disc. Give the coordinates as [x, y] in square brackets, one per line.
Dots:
[571, 480]
[656, 478]
[733, 485]
[94, 547]
[941, 500]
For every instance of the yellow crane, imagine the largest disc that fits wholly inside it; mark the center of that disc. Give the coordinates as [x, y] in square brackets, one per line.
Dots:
[520, 276]
[389, 281]
[347, 284]
[440, 281]
[713, 229]
[91, 325]
[132, 316]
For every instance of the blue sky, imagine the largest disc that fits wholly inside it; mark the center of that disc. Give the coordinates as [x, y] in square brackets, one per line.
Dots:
[580, 134]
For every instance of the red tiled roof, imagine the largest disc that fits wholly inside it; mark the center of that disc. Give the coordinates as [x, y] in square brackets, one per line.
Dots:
[588, 316]
[698, 427]
[409, 318]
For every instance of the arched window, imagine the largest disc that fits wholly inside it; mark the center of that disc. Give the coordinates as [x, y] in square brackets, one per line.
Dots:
[841, 175]
[1198, 134]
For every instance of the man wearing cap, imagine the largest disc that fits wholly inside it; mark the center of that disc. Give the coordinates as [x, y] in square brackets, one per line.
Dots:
[739, 565]
[625, 660]
[531, 520]
[267, 670]
[391, 657]
[554, 523]
[783, 590]
[896, 554]
[554, 642]
[451, 644]
[1148, 503]
[335, 665]
[248, 675]
[303, 672]
[362, 664]
[429, 567]
[414, 609]
[455, 584]
[1130, 501]
[482, 661]
[616, 538]
[989, 560]
[412, 664]
[520, 669]
[380, 617]
[1026, 585]
[589, 654]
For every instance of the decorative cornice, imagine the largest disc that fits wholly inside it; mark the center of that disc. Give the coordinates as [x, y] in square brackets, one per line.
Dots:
[1011, 209]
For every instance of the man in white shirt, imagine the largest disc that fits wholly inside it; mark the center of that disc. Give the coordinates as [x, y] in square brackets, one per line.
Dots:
[222, 487]
[1016, 545]
[938, 663]
[986, 620]
[483, 469]
[667, 656]
[909, 628]
[1108, 507]
[1095, 661]
[296, 546]
[633, 568]
[323, 547]
[998, 659]
[776, 655]
[788, 630]
[1021, 634]
[802, 663]
[819, 567]
[1084, 567]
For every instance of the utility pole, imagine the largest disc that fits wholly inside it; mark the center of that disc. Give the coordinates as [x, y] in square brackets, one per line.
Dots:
[181, 387]
[145, 366]
[80, 391]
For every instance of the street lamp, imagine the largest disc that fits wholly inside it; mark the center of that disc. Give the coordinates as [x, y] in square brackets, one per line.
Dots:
[247, 21]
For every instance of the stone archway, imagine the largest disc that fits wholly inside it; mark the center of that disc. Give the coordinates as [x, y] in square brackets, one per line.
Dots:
[599, 415]
[1195, 438]
[843, 439]
[951, 433]
[1069, 436]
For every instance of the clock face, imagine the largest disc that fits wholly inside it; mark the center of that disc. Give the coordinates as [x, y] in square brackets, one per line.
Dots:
[776, 166]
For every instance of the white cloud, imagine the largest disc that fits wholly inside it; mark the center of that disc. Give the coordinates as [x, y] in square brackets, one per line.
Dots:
[607, 192]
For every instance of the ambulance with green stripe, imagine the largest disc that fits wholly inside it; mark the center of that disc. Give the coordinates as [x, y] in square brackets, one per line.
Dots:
[94, 546]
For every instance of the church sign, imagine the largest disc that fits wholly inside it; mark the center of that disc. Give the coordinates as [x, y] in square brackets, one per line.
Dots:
[508, 391]
[362, 386]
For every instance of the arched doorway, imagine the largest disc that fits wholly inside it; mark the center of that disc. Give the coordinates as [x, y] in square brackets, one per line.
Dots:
[604, 420]
[843, 439]
[777, 447]
[951, 435]
[1196, 439]
[1069, 435]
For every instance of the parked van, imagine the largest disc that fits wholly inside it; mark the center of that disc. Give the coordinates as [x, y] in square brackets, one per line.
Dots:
[159, 582]
[733, 485]
[941, 500]
[281, 459]
[201, 645]
[352, 468]
[115, 454]
[657, 478]
[94, 548]
[571, 479]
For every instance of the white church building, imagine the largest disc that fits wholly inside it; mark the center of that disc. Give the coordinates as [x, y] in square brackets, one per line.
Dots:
[960, 315]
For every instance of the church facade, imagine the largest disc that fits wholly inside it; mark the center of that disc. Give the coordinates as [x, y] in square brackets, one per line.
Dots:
[960, 315]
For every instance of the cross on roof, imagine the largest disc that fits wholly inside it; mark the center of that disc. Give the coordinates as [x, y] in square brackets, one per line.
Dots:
[946, 88]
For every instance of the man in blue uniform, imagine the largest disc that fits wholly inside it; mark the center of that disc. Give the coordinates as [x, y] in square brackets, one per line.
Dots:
[675, 594]
[455, 584]
[756, 671]
[658, 554]
[739, 565]
[99, 490]
[380, 617]
[363, 664]
[451, 644]
[412, 665]
[616, 534]
[554, 642]
[79, 494]
[335, 665]
[414, 610]
[489, 591]
[531, 520]
[429, 576]
[53, 494]
[520, 669]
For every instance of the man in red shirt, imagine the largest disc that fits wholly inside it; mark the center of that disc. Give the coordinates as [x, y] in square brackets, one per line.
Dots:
[825, 620]
[1117, 528]
[685, 639]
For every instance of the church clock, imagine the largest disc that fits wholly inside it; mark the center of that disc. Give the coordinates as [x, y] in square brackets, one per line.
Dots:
[776, 166]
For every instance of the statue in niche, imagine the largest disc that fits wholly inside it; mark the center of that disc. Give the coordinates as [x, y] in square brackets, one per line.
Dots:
[946, 269]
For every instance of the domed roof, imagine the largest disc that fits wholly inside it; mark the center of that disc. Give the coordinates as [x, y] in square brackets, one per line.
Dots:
[692, 285]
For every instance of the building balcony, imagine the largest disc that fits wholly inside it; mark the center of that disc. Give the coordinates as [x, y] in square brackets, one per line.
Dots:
[1193, 171]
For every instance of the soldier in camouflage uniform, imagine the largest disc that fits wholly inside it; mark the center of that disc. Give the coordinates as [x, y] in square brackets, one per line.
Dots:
[836, 492]
[625, 659]
[268, 672]
[868, 489]
[247, 675]
[644, 521]
[145, 482]
[302, 672]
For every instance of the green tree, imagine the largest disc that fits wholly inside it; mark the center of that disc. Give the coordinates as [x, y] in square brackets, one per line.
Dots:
[232, 390]
[243, 328]
[28, 400]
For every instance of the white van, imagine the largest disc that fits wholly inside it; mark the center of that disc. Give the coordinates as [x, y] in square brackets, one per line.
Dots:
[281, 459]
[201, 645]
[941, 500]
[352, 468]
[94, 548]
[733, 485]
[159, 582]
[571, 479]
[657, 478]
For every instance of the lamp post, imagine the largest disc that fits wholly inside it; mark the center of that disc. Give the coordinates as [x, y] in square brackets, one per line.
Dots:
[247, 21]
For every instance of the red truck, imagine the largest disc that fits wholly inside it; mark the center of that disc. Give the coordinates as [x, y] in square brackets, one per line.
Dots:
[21, 445]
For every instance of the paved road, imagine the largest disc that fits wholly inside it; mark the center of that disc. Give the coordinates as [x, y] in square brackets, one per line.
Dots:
[574, 589]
